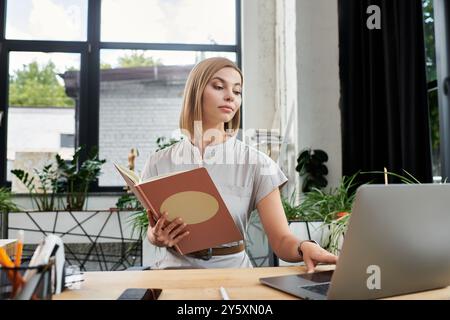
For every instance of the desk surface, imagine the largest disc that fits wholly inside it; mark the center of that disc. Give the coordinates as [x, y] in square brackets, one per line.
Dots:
[200, 284]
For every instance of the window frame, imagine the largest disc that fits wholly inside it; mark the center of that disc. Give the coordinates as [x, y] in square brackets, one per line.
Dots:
[87, 111]
[442, 40]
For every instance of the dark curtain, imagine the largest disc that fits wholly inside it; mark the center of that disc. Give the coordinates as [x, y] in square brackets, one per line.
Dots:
[384, 108]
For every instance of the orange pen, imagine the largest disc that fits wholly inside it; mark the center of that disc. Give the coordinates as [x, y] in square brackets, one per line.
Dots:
[19, 248]
[6, 262]
[13, 275]
[4, 259]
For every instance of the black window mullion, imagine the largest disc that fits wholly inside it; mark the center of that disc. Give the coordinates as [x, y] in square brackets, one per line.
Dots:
[87, 114]
[3, 93]
[44, 46]
[2, 19]
[238, 48]
[4, 110]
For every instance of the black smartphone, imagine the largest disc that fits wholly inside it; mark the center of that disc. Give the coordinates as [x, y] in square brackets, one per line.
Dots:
[140, 294]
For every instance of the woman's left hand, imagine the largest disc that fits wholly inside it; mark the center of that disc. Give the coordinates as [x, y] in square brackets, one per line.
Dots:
[314, 254]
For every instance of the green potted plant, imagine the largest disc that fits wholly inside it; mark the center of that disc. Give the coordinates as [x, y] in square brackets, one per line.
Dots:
[335, 207]
[290, 208]
[43, 192]
[76, 179]
[332, 207]
[311, 167]
[138, 218]
[83, 231]
[6, 203]
[60, 178]
[305, 224]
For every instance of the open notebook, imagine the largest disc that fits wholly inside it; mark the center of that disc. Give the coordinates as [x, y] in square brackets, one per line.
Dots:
[192, 196]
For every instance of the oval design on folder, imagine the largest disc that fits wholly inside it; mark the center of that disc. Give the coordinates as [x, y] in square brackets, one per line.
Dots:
[191, 206]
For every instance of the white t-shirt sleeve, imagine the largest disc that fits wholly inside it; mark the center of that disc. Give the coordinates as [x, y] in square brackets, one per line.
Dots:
[268, 177]
[149, 168]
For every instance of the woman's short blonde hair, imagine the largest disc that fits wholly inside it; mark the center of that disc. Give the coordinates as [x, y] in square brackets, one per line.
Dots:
[196, 83]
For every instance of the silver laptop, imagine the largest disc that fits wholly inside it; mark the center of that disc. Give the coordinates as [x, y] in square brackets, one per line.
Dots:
[397, 242]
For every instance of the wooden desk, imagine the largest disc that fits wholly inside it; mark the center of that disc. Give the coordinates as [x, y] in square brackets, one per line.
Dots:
[199, 284]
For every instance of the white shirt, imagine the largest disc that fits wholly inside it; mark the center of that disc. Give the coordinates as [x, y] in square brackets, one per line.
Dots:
[243, 176]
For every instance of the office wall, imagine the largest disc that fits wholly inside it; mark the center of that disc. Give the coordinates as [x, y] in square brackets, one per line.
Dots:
[291, 68]
[270, 83]
[319, 124]
[258, 63]
[287, 95]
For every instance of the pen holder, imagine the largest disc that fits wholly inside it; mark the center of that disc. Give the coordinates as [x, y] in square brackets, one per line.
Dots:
[11, 285]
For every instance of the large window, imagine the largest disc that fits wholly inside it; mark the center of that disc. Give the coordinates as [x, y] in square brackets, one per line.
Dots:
[437, 35]
[67, 80]
[430, 50]
[39, 109]
[140, 101]
[46, 20]
[174, 21]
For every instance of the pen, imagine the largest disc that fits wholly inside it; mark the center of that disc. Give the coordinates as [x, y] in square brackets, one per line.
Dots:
[6, 262]
[13, 275]
[224, 294]
[19, 248]
[18, 281]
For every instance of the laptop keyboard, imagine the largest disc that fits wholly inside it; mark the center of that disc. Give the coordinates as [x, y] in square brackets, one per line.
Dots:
[318, 288]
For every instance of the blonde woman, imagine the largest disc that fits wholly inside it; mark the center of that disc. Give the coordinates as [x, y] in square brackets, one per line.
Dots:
[246, 178]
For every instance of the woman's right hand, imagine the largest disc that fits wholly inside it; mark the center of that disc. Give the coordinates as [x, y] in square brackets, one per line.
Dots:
[169, 235]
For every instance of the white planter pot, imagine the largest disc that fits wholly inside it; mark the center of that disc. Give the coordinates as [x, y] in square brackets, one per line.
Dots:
[333, 245]
[103, 225]
[94, 239]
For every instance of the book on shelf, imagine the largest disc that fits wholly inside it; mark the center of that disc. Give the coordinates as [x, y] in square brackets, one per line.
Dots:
[192, 196]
